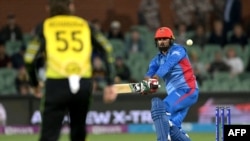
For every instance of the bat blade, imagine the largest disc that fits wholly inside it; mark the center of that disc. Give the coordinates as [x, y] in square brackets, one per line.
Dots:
[125, 88]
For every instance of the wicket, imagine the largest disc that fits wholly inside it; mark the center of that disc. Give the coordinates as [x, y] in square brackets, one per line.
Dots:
[220, 121]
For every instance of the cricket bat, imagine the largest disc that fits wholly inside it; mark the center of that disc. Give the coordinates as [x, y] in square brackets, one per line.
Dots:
[129, 88]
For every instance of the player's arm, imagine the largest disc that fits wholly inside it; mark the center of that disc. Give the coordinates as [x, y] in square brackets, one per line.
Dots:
[150, 84]
[103, 47]
[152, 68]
[176, 55]
[32, 54]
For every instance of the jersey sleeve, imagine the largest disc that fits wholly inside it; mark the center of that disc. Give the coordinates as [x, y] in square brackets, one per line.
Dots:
[102, 45]
[175, 56]
[152, 68]
[34, 53]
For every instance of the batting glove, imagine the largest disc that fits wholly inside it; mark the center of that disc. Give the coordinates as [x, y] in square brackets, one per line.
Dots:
[149, 86]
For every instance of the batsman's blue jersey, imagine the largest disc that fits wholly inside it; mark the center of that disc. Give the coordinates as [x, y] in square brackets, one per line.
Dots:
[174, 68]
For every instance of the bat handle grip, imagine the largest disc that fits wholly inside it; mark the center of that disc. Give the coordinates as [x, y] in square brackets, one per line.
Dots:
[155, 86]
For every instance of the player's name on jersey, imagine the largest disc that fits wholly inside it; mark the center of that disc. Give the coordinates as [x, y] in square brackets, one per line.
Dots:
[66, 23]
[241, 132]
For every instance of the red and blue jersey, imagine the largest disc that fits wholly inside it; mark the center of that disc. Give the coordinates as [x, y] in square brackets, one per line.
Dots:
[174, 68]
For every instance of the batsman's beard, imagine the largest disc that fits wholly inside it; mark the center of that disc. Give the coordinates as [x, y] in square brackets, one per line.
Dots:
[164, 49]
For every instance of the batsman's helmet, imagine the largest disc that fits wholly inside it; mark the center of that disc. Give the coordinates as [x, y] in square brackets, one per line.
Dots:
[164, 32]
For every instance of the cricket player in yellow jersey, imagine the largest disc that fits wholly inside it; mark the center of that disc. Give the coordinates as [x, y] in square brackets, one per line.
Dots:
[67, 42]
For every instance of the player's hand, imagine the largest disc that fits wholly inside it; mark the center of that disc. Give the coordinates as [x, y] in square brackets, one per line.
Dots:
[37, 91]
[149, 86]
[110, 94]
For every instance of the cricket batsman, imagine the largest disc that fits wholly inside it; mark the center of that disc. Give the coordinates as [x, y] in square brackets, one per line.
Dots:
[173, 66]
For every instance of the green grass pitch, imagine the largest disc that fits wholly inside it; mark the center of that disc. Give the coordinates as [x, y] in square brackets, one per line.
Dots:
[110, 137]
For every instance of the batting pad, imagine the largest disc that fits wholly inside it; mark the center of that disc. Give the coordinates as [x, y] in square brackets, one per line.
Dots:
[160, 119]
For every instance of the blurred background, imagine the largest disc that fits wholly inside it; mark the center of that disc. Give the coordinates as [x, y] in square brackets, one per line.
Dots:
[219, 53]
